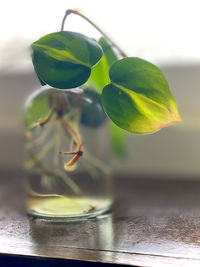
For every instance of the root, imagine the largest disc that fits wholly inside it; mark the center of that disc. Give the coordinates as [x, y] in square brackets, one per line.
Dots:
[39, 140]
[79, 144]
[33, 193]
[69, 182]
[57, 174]
[97, 163]
[29, 164]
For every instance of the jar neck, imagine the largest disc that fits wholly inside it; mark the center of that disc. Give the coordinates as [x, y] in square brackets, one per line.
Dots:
[71, 90]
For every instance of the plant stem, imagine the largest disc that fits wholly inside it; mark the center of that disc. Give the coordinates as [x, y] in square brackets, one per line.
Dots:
[71, 11]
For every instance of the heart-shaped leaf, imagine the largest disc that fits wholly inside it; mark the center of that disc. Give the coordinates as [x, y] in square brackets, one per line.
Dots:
[138, 98]
[64, 59]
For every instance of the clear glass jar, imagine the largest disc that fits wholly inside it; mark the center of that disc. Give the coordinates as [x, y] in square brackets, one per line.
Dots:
[67, 152]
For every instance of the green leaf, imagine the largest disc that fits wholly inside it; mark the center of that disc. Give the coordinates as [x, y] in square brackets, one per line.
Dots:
[93, 114]
[64, 59]
[41, 81]
[99, 77]
[138, 98]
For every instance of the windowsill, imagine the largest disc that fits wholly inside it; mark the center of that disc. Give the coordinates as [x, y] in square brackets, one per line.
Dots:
[153, 223]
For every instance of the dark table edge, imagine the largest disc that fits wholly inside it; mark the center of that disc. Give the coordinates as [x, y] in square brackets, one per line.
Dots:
[110, 257]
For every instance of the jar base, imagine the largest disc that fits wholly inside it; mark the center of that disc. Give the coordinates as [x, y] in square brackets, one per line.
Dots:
[63, 208]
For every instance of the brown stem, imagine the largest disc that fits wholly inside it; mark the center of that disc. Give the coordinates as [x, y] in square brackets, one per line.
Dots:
[76, 12]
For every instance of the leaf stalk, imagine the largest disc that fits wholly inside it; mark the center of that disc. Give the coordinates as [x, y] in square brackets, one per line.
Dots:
[76, 12]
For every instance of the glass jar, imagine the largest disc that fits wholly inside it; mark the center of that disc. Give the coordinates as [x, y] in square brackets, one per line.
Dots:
[67, 152]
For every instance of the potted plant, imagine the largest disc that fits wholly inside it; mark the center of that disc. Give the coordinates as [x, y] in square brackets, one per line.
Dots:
[84, 83]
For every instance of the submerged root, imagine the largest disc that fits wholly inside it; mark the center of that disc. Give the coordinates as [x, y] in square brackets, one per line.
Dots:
[33, 193]
[70, 183]
[52, 146]
[97, 163]
[70, 165]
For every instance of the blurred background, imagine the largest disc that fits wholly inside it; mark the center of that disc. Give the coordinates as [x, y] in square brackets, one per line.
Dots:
[163, 32]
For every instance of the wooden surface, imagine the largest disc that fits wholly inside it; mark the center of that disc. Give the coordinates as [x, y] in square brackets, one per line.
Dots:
[153, 223]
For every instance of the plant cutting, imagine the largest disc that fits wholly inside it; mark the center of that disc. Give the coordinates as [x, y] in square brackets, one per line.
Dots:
[85, 84]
